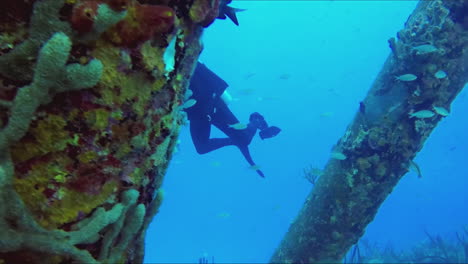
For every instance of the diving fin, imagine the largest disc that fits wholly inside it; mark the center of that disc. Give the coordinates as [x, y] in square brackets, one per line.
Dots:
[244, 149]
[231, 13]
[269, 132]
[260, 173]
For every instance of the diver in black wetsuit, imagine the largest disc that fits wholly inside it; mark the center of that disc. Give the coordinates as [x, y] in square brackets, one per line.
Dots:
[210, 109]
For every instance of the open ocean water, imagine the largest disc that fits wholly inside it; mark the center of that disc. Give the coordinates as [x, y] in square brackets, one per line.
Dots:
[305, 66]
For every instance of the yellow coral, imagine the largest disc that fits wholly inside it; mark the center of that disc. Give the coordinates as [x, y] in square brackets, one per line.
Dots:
[117, 114]
[137, 176]
[123, 150]
[19, 155]
[49, 135]
[98, 119]
[66, 204]
[152, 57]
[60, 175]
[87, 156]
[198, 10]
[119, 88]
[74, 202]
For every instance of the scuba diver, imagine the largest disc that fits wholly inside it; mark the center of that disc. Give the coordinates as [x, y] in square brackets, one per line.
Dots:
[209, 95]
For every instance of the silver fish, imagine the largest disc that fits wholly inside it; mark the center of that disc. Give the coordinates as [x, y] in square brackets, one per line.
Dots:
[441, 111]
[425, 49]
[407, 77]
[338, 155]
[238, 126]
[189, 104]
[422, 114]
[440, 74]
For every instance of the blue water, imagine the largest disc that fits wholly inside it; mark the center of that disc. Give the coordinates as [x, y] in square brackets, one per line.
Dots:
[304, 65]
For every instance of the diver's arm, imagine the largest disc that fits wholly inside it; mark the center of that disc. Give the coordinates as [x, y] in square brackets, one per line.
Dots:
[226, 96]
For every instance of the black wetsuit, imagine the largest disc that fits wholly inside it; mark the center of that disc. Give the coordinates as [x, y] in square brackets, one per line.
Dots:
[210, 109]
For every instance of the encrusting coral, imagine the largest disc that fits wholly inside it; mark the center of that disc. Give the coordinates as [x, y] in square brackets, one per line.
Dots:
[51, 76]
[89, 116]
[379, 145]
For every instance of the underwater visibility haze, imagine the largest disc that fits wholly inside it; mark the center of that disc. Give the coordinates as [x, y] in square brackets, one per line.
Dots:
[346, 123]
[304, 65]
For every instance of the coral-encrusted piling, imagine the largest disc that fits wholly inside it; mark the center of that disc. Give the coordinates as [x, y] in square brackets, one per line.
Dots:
[407, 100]
[90, 94]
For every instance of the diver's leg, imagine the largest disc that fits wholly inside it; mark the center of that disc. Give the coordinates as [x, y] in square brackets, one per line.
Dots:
[200, 131]
[223, 117]
[258, 121]
[244, 149]
[265, 131]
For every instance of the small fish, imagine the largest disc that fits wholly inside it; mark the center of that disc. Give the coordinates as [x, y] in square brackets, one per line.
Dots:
[394, 107]
[441, 111]
[255, 167]
[216, 164]
[176, 161]
[415, 167]
[238, 126]
[271, 98]
[326, 114]
[338, 156]
[422, 114]
[334, 92]
[223, 215]
[246, 91]
[189, 103]
[249, 75]
[425, 49]
[276, 207]
[284, 76]
[406, 77]
[440, 74]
